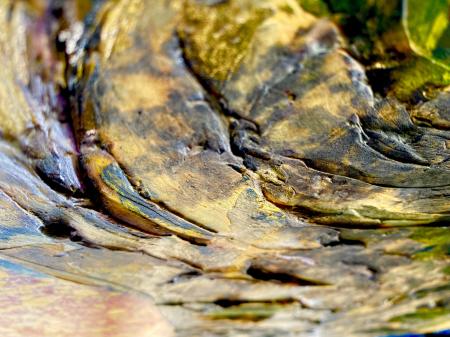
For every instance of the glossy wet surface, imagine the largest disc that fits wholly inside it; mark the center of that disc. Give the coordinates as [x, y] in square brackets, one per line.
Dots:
[221, 169]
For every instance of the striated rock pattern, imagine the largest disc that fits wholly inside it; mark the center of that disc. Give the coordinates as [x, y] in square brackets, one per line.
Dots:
[212, 168]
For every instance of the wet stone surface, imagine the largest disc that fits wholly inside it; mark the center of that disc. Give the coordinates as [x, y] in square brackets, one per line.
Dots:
[213, 168]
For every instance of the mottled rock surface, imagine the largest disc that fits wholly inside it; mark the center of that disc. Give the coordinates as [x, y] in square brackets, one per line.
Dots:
[213, 168]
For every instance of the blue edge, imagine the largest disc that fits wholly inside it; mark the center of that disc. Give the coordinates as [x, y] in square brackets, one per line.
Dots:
[431, 334]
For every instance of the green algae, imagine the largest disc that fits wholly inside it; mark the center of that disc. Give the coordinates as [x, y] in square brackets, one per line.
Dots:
[446, 270]
[407, 40]
[223, 35]
[422, 314]
[316, 7]
[249, 312]
[427, 26]
[418, 73]
[421, 293]
[436, 242]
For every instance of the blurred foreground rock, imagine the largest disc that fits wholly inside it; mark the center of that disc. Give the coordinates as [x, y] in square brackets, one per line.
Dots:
[198, 168]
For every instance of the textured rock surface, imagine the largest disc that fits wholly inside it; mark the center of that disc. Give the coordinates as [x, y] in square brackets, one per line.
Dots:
[231, 173]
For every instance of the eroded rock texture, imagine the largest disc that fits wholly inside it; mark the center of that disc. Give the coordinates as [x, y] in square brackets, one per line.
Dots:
[222, 168]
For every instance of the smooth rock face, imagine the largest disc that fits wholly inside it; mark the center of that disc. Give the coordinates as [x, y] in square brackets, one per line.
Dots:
[222, 150]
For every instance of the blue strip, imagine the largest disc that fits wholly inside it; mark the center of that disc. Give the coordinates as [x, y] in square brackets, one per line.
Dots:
[431, 334]
[19, 269]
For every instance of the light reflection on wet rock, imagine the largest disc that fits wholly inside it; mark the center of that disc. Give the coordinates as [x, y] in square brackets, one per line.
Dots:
[225, 166]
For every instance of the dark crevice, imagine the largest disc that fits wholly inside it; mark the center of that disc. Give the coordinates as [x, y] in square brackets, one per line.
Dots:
[282, 277]
[59, 230]
[53, 226]
[345, 242]
[239, 169]
[380, 80]
[185, 276]
[229, 302]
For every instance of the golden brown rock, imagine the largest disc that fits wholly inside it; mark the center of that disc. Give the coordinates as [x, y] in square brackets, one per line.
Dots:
[214, 137]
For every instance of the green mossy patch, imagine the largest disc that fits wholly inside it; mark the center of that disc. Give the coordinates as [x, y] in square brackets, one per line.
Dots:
[223, 34]
[248, 312]
[422, 314]
[436, 242]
